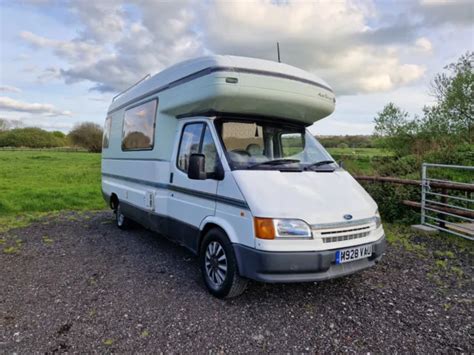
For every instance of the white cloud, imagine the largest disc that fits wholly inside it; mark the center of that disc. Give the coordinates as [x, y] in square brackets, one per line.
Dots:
[9, 104]
[424, 44]
[75, 51]
[104, 21]
[8, 88]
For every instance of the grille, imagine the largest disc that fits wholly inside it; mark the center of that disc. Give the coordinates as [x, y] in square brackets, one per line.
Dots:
[335, 236]
[342, 238]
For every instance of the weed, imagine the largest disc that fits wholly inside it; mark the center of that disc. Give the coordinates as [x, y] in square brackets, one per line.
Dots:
[10, 250]
[47, 240]
[444, 254]
[108, 342]
[457, 271]
[145, 333]
[441, 264]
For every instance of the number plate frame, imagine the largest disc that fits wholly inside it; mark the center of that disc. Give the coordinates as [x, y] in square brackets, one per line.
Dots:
[354, 253]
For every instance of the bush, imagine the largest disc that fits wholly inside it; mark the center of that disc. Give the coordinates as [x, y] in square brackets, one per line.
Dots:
[87, 135]
[389, 199]
[31, 138]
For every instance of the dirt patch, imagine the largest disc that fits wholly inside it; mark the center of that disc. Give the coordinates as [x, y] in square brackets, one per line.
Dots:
[77, 283]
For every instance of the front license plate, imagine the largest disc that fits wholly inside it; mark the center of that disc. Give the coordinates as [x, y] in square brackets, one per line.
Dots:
[351, 254]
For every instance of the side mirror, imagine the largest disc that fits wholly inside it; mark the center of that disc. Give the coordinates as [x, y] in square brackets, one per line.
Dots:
[196, 168]
[220, 173]
[341, 164]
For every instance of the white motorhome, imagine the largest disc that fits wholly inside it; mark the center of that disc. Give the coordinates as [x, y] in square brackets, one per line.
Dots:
[214, 154]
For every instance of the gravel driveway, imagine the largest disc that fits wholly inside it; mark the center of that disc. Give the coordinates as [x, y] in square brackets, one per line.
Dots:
[77, 283]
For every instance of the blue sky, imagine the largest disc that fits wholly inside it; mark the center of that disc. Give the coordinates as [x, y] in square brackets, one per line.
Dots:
[62, 61]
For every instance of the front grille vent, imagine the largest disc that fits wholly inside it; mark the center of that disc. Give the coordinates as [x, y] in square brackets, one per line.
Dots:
[341, 235]
[342, 238]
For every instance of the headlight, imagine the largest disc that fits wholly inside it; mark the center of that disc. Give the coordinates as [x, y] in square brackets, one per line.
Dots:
[378, 220]
[268, 228]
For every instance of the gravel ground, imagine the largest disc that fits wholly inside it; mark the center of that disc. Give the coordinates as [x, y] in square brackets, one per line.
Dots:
[76, 283]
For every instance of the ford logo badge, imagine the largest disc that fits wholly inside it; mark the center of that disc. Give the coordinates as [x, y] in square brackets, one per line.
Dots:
[347, 217]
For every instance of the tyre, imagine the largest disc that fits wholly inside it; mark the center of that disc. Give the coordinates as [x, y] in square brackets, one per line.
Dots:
[219, 266]
[120, 220]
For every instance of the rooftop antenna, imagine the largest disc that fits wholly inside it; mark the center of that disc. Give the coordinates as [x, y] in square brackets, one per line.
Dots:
[278, 52]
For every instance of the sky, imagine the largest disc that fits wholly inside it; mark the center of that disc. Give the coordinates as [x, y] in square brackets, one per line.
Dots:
[61, 62]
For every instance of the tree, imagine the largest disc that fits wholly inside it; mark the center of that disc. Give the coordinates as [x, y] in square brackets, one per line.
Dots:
[6, 124]
[454, 93]
[3, 124]
[443, 126]
[395, 130]
[87, 135]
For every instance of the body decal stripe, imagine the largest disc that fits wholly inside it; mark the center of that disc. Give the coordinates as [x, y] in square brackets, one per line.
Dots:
[208, 196]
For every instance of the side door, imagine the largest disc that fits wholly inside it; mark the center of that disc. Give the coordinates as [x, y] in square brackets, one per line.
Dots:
[191, 200]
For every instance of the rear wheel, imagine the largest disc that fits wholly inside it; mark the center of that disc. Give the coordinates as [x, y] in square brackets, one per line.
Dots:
[219, 266]
[120, 220]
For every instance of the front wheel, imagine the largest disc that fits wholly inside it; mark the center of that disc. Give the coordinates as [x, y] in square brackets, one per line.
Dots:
[219, 266]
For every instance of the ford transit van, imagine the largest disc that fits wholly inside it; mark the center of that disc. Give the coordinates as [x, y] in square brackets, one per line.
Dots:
[214, 153]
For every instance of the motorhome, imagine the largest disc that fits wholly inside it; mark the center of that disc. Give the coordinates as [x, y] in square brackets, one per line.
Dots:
[214, 153]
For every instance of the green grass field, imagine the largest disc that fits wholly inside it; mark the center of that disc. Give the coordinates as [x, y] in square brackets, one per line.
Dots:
[36, 182]
[359, 161]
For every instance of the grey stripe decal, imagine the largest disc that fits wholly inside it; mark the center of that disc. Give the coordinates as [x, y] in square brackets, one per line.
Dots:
[208, 196]
[211, 70]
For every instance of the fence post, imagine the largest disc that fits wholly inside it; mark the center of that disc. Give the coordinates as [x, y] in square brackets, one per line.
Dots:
[441, 216]
[423, 191]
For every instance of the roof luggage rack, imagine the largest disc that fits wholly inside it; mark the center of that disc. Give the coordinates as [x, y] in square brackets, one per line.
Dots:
[130, 87]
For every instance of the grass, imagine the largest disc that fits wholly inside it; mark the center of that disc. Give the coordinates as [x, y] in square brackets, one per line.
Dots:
[34, 183]
[360, 152]
[359, 161]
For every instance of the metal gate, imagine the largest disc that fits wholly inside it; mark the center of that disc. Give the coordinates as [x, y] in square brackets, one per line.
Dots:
[448, 210]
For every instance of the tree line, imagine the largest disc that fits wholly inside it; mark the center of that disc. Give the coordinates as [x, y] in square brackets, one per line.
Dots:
[86, 135]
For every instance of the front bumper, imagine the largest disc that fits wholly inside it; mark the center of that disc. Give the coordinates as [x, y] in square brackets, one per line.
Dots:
[300, 266]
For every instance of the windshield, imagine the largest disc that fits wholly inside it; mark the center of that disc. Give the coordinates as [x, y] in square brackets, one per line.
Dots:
[256, 144]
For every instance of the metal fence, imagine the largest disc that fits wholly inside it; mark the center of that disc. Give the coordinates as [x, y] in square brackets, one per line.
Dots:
[447, 210]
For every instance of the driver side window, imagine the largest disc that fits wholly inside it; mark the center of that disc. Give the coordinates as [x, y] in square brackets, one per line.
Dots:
[197, 138]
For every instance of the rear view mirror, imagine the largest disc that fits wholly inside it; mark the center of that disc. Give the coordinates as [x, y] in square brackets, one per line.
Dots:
[196, 169]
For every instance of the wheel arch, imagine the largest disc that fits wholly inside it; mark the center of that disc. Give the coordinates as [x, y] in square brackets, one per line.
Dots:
[215, 222]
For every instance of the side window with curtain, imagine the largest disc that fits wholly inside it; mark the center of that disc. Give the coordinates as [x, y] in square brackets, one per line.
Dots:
[197, 138]
[139, 126]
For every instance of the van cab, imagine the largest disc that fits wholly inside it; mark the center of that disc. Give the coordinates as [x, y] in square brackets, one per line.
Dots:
[214, 153]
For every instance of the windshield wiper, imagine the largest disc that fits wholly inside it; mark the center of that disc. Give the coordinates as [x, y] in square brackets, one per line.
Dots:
[320, 163]
[274, 162]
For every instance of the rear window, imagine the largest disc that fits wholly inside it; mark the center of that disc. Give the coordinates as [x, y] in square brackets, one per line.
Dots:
[139, 126]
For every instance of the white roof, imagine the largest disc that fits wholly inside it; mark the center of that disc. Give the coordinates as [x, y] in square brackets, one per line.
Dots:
[188, 67]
